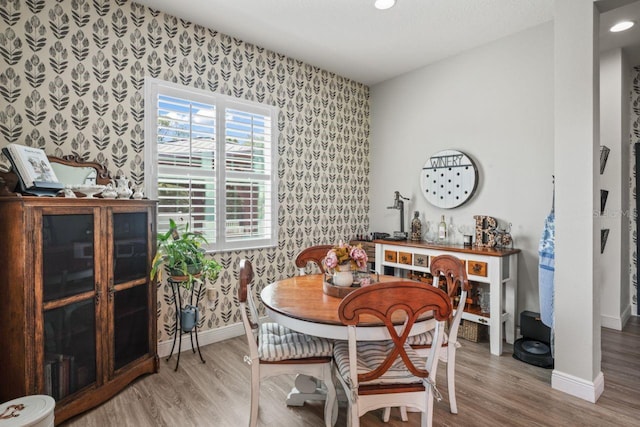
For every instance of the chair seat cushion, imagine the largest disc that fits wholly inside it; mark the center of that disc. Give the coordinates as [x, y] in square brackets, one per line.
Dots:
[277, 343]
[370, 355]
[426, 338]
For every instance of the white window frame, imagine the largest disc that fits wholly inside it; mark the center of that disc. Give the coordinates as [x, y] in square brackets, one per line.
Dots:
[155, 87]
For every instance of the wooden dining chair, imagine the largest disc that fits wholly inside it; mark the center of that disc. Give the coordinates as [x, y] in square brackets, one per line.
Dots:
[276, 350]
[313, 254]
[452, 270]
[378, 374]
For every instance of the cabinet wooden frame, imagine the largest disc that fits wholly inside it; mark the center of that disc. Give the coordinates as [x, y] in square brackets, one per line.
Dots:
[22, 305]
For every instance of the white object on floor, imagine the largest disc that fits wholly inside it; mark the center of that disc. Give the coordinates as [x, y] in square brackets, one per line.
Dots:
[32, 411]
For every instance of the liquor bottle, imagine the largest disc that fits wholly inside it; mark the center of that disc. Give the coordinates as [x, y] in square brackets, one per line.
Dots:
[416, 227]
[442, 230]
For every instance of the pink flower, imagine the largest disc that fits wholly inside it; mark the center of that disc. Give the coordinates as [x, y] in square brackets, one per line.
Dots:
[359, 256]
[331, 260]
[345, 254]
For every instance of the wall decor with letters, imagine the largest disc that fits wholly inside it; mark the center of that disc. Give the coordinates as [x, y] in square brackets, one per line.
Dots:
[449, 179]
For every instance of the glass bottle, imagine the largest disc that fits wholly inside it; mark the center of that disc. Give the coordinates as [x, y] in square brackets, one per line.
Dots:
[416, 227]
[442, 231]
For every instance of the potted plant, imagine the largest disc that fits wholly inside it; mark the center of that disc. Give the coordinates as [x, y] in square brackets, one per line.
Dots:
[181, 255]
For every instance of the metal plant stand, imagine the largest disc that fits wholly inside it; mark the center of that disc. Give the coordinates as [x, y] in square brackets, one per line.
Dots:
[178, 332]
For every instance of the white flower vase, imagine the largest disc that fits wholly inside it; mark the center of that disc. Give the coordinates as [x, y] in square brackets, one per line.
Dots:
[344, 277]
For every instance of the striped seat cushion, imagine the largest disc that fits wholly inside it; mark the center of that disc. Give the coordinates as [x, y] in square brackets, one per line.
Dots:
[426, 338]
[371, 354]
[277, 343]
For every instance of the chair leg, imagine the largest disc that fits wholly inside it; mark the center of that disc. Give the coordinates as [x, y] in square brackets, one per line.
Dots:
[451, 379]
[403, 414]
[386, 414]
[330, 412]
[255, 393]
[354, 418]
[427, 416]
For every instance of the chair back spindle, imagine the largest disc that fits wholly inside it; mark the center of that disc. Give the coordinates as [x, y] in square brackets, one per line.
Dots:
[452, 270]
[313, 254]
[383, 301]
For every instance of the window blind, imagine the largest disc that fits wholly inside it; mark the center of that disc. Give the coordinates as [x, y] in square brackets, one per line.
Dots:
[210, 164]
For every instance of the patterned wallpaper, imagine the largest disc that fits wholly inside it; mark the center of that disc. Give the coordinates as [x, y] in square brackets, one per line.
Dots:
[72, 82]
[634, 137]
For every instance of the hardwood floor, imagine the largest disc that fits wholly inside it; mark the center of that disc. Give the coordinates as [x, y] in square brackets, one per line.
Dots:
[491, 390]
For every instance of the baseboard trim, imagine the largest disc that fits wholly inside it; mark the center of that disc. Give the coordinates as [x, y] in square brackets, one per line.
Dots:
[586, 390]
[610, 322]
[626, 315]
[209, 336]
[616, 323]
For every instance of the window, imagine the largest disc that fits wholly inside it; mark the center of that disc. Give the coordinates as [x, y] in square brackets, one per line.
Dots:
[209, 161]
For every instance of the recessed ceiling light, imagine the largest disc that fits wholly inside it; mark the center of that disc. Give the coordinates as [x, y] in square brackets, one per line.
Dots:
[621, 26]
[384, 4]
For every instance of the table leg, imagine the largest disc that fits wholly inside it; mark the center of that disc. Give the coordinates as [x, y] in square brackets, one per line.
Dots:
[511, 299]
[495, 319]
[306, 388]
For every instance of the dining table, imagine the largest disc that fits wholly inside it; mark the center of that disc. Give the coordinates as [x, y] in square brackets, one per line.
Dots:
[301, 304]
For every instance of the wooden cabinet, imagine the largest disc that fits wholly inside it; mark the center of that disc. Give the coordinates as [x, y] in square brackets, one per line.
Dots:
[494, 269]
[77, 307]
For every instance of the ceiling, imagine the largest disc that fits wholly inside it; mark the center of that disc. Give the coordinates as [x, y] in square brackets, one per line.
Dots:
[630, 39]
[355, 40]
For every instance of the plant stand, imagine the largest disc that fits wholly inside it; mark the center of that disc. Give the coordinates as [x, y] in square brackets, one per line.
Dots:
[177, 330]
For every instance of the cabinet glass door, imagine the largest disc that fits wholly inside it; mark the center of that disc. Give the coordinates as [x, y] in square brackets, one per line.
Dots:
[69, 348]
[129, 246]
[131, 287]
[131, 325]
[67, 255]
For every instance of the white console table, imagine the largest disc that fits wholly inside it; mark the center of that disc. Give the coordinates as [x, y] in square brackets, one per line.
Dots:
[496, 267]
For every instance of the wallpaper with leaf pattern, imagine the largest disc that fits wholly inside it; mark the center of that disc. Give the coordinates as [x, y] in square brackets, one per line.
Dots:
[72, 82]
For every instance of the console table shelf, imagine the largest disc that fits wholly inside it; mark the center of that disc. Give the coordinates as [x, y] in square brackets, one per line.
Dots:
[498, 268]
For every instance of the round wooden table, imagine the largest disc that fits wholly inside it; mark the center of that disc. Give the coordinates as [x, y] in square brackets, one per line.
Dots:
[299, 303]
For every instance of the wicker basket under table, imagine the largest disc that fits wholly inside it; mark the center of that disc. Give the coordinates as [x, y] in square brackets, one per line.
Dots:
[472, 331]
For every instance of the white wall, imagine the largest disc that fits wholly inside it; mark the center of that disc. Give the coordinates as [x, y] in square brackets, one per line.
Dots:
[495, 103]
[613, 273]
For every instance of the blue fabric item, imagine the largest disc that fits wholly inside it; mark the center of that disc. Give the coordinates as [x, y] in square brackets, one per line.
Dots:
[546, 270]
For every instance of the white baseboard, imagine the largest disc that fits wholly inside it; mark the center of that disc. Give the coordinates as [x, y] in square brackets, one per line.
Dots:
[204, 338]
[586, 390]
[626, 315]
[611, 322]
[616, 323]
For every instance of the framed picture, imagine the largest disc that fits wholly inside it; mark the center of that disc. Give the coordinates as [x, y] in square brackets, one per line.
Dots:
[32, 166]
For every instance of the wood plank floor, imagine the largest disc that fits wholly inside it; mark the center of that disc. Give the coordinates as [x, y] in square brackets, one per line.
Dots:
[492, 391]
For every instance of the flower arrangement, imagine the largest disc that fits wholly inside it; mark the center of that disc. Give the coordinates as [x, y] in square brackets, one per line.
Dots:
[344, 254]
